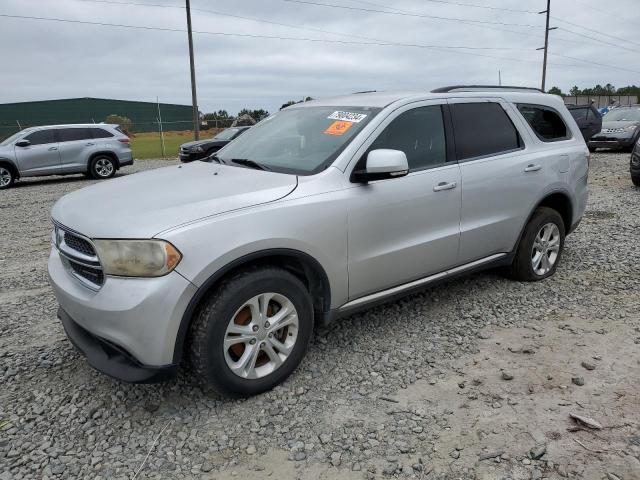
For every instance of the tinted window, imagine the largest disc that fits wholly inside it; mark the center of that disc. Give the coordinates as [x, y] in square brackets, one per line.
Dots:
[419, 133]
[101, 133]
[579, 113]
[483, 129]
[71, 134]
[41, 137]
[546, 122]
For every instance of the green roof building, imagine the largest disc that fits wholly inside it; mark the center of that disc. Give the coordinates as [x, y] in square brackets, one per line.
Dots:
[143, 115]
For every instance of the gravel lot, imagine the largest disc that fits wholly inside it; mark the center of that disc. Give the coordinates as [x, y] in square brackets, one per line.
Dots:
[425, 387]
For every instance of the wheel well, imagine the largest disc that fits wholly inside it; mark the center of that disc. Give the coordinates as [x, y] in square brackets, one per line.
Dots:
[112, 155]
[561, 204]
[11, 167]
[303, 266]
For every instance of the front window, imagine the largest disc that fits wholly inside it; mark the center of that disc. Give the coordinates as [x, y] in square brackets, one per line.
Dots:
[301, 141]
[13, 137]
[623, 115]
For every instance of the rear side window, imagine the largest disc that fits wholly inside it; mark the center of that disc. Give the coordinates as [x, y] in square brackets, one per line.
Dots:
[101, 133]
[545, 122]
[73, 134]
[579, 114]
[41, 137]
[419, 133]
[483, 129]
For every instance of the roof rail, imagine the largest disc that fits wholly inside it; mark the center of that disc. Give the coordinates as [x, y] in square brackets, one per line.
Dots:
[480, 88]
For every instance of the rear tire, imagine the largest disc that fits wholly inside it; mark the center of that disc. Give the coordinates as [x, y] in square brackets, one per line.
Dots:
[235, 344]
[103, 167]
[636, 180]
[7, 177]
[540, 247]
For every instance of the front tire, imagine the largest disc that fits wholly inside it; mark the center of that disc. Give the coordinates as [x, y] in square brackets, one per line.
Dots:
[103, 167]
[7, 177]
[252, 333]
[540, 247]
[636, 180]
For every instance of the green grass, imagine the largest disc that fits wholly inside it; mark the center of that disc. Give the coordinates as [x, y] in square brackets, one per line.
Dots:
[149, 145]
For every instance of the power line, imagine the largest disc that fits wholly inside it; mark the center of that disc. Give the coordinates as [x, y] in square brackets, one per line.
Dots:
[457, 4]
[594, 30]
[411, 14]
[243, 35]
[604, 42]
[447, 49]
[590, 62]
[289, 25]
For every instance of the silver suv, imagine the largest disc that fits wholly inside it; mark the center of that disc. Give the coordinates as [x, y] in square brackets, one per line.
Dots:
[94, 149]
[318, 211]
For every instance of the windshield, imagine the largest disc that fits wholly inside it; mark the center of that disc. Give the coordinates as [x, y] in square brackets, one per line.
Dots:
[13, 138]
[623, 115]
[227, 134]
[302, 141]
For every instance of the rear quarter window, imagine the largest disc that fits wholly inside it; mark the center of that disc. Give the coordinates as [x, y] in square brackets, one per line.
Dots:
[101, 133]
[546, 122]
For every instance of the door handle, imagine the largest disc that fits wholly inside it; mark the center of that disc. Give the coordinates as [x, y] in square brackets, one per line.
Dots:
[445, 186]
[532, 168]
[51, 149]
[90, 144]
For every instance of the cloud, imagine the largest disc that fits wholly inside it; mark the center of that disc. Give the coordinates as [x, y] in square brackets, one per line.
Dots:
[48, 60]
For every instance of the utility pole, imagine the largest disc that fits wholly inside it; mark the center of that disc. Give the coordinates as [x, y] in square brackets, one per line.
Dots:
[546, 43]
[194, 97]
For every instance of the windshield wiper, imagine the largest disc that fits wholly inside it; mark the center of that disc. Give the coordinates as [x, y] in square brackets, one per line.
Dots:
[213, 156]
[249, 163]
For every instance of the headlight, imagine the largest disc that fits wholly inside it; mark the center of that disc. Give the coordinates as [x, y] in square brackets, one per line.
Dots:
[137, 258]
[630, 128]
[197, 149]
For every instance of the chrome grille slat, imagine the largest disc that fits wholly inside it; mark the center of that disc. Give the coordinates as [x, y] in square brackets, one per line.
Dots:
[79, 256]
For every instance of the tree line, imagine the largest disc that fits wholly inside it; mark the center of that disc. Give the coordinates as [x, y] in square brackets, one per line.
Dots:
[607, 89]
[257, 114]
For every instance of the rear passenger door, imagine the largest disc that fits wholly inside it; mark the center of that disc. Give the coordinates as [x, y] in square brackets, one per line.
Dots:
[76, 145]
[501, 177]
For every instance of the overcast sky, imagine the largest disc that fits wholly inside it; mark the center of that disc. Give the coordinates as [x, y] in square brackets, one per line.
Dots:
[49, 60]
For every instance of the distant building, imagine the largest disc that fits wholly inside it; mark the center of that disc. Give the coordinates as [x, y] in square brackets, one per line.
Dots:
[143, 115]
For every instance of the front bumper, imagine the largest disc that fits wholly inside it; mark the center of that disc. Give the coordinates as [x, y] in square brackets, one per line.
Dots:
[610, 142]
[111, 360]
[138, 317]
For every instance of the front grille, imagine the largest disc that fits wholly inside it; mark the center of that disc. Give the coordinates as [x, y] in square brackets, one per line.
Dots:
[80, 257]
[79, 244]
[95, 276]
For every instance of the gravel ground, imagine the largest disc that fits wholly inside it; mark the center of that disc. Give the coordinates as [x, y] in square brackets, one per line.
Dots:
[425, 387]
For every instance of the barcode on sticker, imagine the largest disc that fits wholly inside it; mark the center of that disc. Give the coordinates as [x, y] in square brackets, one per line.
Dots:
[347, 116]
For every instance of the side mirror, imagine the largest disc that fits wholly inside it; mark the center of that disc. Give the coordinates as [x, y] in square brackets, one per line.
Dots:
[383, 164]
[23, 143]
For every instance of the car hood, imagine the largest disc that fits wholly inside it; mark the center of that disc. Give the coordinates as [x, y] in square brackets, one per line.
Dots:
[618, 124]
[210, 142]
[143, 204]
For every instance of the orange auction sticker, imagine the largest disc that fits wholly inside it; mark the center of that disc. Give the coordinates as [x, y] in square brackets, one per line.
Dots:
[338, 127]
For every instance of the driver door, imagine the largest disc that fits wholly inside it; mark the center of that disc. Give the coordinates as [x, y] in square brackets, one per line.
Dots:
[41, 157]
[406, 228]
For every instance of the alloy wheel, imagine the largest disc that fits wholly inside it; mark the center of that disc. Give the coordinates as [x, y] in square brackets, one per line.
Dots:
[104, 167]
[261, 335]
[546, 248]
[5, 177]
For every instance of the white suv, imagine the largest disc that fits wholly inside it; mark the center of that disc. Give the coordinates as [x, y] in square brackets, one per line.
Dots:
[322, 209]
